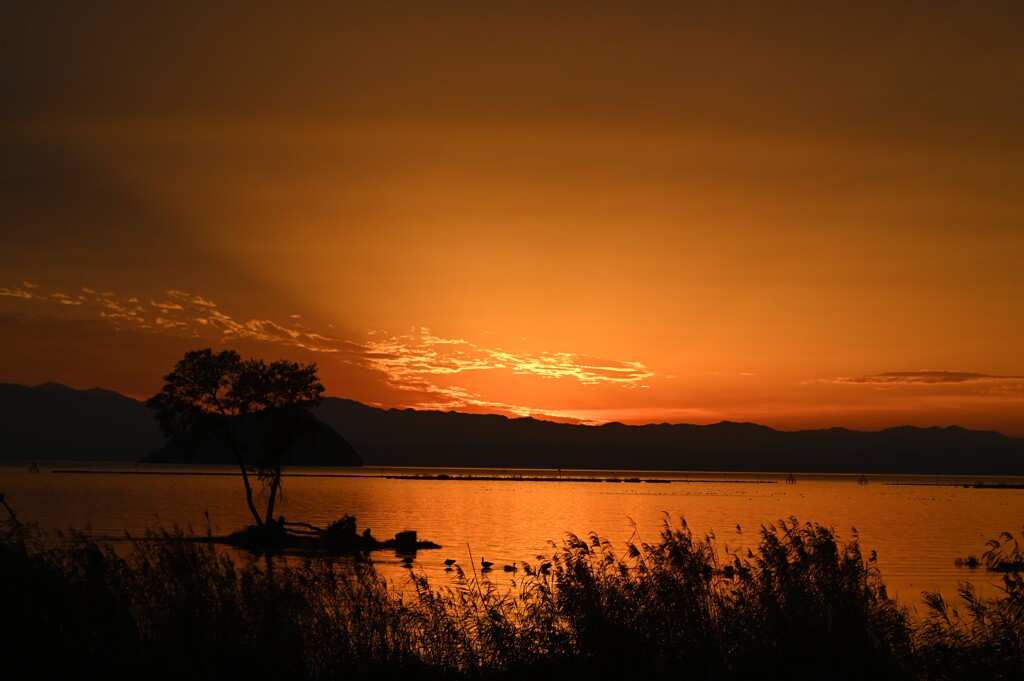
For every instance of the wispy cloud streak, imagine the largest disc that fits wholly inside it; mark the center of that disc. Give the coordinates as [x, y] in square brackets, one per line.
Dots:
[15, 293]
[181, 312]
[419, 363]
[415, 356]
[926, 377]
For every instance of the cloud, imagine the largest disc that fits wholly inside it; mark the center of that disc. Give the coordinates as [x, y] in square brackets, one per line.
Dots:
[413, 358]
[419, 363]
[925, 377]
[15, 293]
[165, 307]
[65, 299]
[452, 398]
[180, 312]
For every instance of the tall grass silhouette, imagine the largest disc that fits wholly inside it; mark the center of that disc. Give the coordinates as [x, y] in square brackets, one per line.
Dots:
[980, 637]
[797, 602]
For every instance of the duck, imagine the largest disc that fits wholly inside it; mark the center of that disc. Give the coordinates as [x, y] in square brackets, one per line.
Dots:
[511, 568]
[486, 564]
[407, 561]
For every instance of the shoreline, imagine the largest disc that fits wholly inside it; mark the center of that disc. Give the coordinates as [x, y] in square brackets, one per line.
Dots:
[439, 476]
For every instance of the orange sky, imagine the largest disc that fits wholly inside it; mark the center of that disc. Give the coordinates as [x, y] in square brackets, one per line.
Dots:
[786, 213]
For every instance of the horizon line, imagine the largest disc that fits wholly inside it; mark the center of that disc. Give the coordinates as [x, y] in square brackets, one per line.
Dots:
[569, 421]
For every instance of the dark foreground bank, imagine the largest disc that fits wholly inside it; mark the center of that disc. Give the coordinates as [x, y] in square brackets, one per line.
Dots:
[799, 604]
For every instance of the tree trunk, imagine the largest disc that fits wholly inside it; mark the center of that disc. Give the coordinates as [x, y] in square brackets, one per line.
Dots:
[237, 451]
[248, 491]
[275, 484]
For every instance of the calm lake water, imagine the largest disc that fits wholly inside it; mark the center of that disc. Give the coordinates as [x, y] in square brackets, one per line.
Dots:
[919, 526]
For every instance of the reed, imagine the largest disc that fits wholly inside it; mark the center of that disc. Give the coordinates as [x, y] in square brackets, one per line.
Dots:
[975, 637]
[797, 602]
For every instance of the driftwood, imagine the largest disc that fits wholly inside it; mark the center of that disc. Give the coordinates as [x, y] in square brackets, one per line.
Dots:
[338, 538]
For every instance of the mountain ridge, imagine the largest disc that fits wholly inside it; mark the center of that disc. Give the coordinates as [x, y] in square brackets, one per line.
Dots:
[52, 421]
[406, 437]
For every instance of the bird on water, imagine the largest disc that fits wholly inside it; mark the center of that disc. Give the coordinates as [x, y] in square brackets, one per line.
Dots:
[486, 564]
[448, 562]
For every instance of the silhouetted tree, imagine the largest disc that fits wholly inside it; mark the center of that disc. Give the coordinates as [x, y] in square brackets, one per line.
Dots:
[210, 395]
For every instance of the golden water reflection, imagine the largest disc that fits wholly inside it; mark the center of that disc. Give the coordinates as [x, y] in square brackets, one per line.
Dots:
[919, 526]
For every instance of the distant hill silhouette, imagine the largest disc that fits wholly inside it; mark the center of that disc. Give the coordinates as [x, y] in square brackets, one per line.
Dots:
[52, 421]
[429, 438]
[324, 447]
[55, 422]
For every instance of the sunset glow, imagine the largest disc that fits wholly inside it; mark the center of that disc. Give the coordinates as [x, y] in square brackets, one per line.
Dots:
[790, 214]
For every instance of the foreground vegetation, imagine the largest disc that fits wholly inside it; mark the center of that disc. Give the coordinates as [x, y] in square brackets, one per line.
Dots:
[799, 604]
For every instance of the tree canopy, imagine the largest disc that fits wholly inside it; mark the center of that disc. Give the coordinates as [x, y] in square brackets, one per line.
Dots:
[209, 395]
